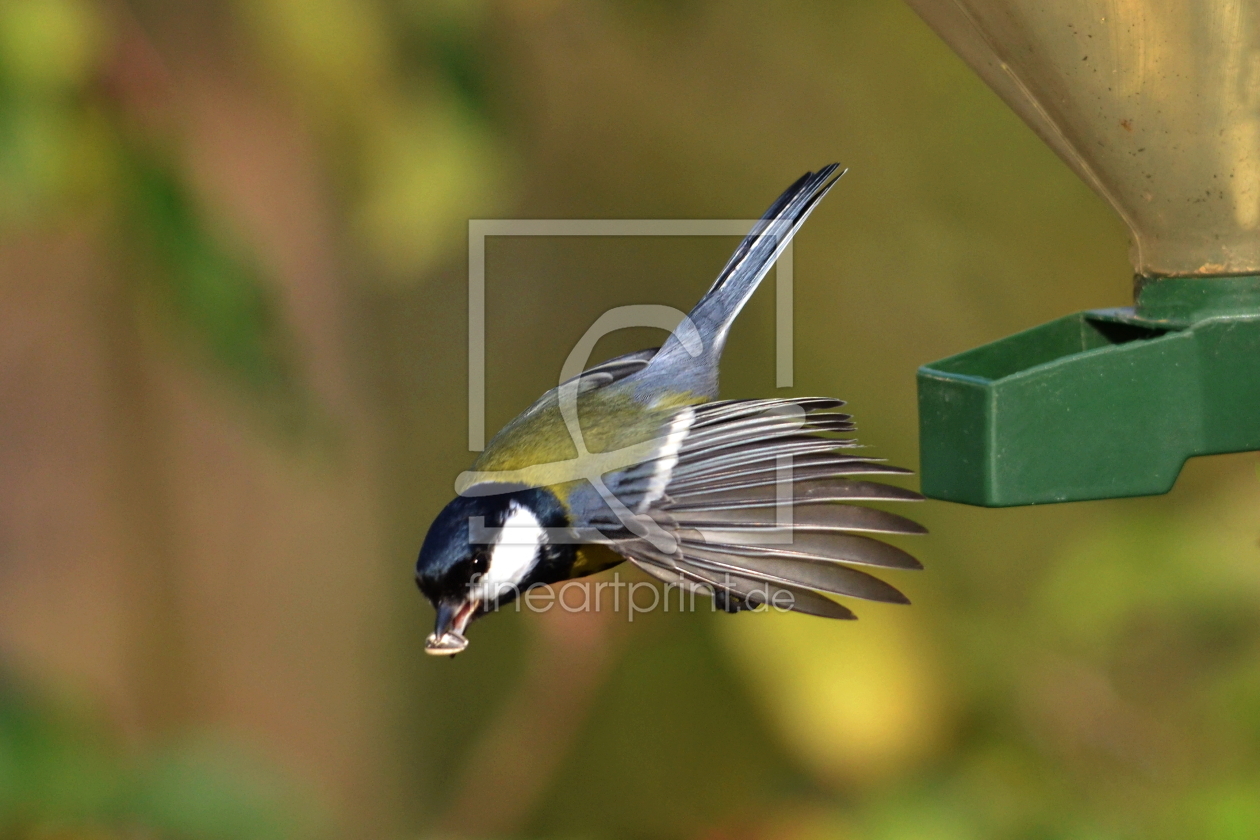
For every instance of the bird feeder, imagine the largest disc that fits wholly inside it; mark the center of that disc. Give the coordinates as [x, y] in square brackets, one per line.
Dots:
[1156, 105]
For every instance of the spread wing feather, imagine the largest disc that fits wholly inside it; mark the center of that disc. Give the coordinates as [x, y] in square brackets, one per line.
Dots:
[803, 469]
[694, 578]
[723, 484]
[765, 493]
[822, 517]
[837, 548]
[823, 577]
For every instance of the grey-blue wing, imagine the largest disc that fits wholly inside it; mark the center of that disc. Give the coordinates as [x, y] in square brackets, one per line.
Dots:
[613, 370]
[759, 497]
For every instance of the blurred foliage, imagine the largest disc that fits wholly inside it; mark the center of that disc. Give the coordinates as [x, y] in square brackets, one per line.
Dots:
[220, 296]
[881, 713]
[50, 141]
[63, 775]
[1130, 710]
[74, 137]
[399, 91]
[68, 145]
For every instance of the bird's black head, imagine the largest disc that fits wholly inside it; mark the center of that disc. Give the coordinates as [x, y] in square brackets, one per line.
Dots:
[484, 549]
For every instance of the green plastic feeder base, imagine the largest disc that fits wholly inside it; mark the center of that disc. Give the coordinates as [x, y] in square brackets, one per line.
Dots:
[1097, 405]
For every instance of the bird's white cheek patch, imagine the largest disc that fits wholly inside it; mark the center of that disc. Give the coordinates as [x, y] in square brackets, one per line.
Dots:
[514, 553]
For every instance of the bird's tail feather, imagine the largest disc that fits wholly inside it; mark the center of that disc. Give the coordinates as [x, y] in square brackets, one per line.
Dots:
[713, 315]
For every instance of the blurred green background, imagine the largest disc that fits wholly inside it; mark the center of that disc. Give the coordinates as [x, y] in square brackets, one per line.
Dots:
[233, 367]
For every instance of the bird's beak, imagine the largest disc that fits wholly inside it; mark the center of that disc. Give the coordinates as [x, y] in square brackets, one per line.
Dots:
[447, 638]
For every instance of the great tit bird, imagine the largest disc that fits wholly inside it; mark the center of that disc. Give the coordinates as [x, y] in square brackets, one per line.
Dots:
[748, 501]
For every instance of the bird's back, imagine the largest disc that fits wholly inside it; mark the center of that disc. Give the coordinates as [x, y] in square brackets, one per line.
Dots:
[610, 418]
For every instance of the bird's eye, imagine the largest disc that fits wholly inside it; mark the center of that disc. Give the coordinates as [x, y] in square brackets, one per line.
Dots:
[481, 562]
